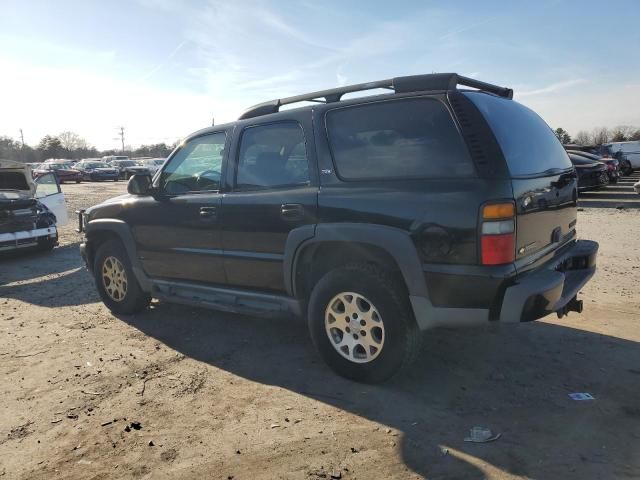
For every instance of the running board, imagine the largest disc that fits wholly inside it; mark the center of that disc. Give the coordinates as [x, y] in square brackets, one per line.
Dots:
[225, 299]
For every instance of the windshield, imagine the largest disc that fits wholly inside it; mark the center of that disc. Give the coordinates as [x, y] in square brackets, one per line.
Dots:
[126, 163]
[527, 142]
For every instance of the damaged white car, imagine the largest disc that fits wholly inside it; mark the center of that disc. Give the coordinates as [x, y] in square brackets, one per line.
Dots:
[30, 210]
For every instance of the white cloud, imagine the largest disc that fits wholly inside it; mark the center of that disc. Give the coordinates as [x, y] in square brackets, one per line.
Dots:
[554, 87]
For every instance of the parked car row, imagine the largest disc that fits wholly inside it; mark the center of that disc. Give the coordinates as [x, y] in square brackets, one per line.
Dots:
[113, 168]
[627, 153]
[598, 166]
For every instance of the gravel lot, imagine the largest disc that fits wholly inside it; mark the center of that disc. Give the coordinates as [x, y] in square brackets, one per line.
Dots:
[223, 396]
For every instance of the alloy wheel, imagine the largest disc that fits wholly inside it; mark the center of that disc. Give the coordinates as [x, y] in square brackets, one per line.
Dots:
[114, 278]
[354, 327]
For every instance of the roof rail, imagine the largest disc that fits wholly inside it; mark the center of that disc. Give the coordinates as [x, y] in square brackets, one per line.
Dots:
[413, 83]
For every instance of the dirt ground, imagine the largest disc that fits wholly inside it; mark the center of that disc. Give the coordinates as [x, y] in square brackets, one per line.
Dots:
[186, 393]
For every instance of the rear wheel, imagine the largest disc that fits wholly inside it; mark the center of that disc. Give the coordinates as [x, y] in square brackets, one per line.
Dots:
[361, 322]
[115, 280]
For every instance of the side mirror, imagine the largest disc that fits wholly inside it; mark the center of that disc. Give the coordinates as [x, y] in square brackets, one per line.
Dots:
[140, 185]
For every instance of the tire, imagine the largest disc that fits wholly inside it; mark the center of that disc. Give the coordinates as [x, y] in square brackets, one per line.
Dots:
[77, 181]
[399, 337]
[127, 299]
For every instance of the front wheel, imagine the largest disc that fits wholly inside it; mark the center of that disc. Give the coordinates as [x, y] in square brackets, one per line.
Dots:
[116, 283]
[361, 322]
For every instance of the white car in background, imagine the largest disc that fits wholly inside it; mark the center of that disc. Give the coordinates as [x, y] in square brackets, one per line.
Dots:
[153, 164]
[30, 210]
[630, 150]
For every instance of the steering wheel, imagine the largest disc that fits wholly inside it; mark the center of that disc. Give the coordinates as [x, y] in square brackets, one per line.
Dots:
[202, 179]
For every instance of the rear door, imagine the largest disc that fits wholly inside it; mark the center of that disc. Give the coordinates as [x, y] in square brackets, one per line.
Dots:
[543, 178]
[273, 190]
[48, 192]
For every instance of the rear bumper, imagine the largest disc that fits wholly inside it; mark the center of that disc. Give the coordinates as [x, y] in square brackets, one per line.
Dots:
[552, 287]
[24, 239]
[511, 297]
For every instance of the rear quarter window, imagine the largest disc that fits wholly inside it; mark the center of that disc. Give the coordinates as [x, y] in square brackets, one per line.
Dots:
[528, 144]
[406, 138]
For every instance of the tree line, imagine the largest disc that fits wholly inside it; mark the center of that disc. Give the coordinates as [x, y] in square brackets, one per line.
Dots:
[599, 135]
[72, 146]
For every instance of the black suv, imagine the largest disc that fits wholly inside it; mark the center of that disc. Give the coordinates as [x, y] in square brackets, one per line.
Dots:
[374, 217]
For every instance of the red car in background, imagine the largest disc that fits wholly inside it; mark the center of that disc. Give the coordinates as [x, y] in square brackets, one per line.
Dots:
[62, 171]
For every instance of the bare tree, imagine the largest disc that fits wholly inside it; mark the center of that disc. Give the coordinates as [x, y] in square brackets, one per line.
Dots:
[72, 142]
[635, 135]
[600, 135]
[582, 138]
[622, 133]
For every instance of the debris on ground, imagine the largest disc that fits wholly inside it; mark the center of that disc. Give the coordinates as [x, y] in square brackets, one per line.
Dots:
[481, 435]
[579, 396]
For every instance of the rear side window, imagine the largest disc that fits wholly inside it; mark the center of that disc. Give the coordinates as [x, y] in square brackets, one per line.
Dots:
[272, 156]
[527, 142]
[412, 138]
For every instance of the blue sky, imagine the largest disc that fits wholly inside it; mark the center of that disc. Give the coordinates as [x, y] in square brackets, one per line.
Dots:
[163, 68]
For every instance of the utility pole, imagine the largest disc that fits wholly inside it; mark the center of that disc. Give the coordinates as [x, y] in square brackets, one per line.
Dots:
[121, 133]
[22, 143]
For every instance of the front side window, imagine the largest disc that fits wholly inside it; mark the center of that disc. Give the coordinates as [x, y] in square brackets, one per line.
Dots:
[406, 138]
[272, 155]
[196, 167]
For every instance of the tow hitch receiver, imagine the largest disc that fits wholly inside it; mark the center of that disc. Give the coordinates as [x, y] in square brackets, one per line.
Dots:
[574, 305]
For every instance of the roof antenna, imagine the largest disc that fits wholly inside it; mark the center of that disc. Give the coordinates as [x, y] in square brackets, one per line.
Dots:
[213, 121]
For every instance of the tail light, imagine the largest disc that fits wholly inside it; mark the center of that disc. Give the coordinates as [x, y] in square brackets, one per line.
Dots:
[497, 234]
[610, 166]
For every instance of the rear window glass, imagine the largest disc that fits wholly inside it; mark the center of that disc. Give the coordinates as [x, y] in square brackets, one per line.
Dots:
[13, 181]
[413, 138]
[527, 142]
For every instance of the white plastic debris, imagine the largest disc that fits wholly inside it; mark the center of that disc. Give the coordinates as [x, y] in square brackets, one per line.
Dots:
[481, 435]
[579, 396]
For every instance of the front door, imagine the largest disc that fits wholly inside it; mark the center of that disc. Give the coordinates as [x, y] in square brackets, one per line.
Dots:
[273, 191]
[48, 193]
[176, 230]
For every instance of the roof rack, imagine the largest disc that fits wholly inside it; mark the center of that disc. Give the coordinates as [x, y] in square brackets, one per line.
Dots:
[413, 83]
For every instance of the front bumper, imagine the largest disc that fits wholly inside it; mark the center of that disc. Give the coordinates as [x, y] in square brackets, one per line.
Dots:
[103, 176]
[593, 182]
[24, 239]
